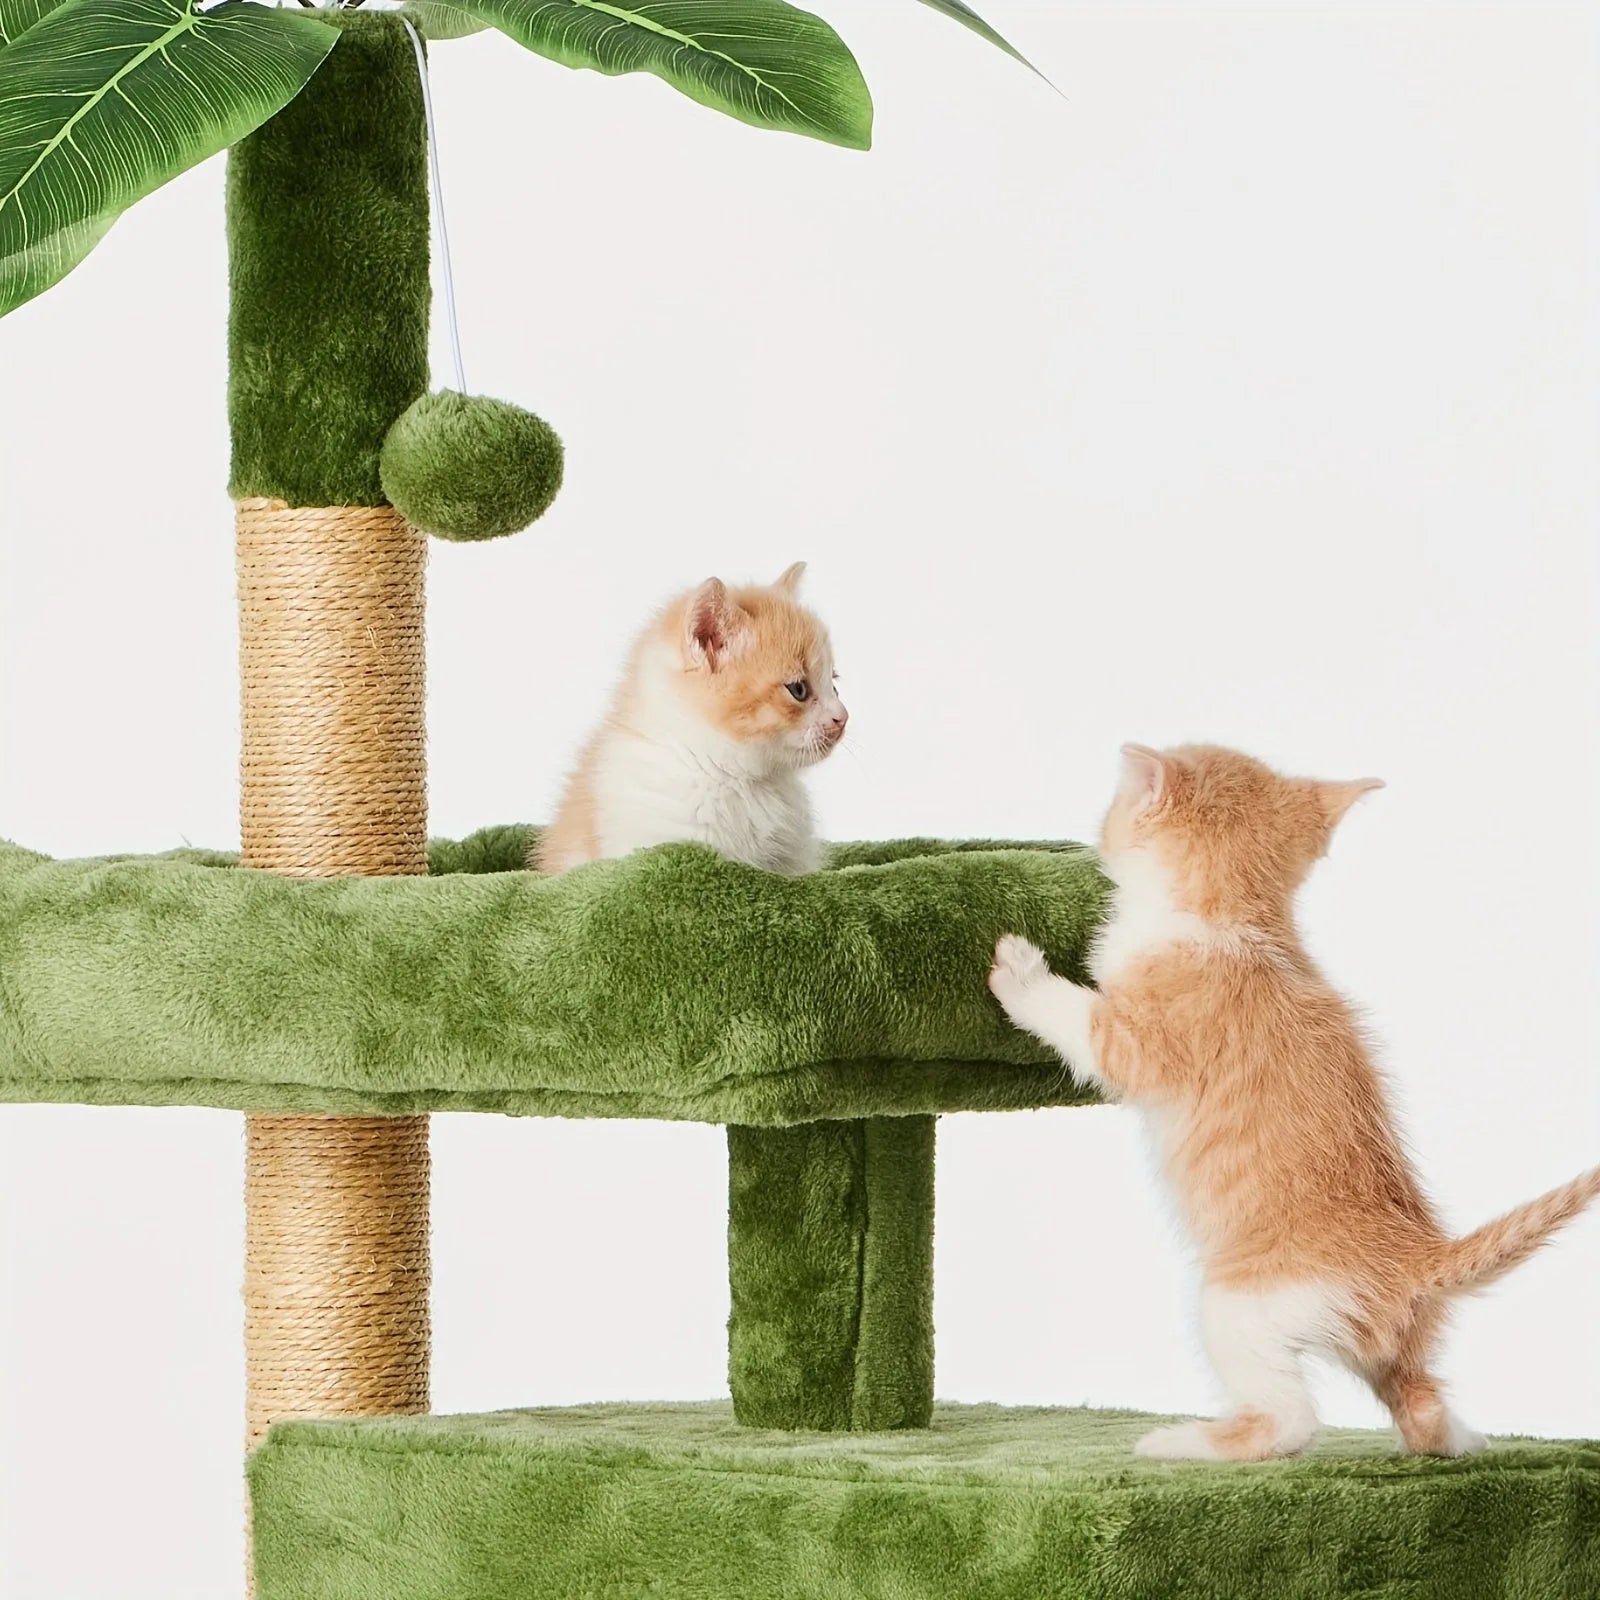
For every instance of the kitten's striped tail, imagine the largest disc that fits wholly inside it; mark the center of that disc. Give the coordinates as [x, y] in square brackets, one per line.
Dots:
[1493, 1250]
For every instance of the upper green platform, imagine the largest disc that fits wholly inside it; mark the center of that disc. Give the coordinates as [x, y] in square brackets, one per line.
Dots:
[673, 984]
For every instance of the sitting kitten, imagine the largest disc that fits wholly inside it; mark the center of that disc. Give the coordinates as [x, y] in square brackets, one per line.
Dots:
[729, 695]
[1267, 1111]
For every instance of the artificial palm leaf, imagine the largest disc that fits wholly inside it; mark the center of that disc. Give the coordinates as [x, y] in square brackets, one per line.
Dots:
[17, 16]
[102, 101]
[968, 18]
[441, 21]
[762, 61]
[24, 272]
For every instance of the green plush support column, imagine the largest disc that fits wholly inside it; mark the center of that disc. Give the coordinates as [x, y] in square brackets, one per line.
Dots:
[328, 260]
[830, 1255]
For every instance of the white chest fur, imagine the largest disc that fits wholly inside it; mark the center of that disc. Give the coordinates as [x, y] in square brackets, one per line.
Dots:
[1142, 919]
[650, 793]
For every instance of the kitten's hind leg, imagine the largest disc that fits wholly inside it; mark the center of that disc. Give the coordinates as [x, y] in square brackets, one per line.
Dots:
[1404, 1383]
[1053, 1009]
[1255, 1339]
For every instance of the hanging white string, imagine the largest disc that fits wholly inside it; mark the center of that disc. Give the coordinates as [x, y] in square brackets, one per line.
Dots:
[438, 206]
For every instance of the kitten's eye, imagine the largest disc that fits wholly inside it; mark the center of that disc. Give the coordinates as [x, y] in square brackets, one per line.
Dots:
[800, 690]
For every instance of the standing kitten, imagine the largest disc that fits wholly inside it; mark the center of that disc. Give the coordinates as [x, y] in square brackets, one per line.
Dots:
[729, 696]
[1268, 1113]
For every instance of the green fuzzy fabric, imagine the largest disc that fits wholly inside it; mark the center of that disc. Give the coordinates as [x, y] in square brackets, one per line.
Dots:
[830, 1257]
[328, 269]
[673, 984]
[465, 467]
[677, 1503]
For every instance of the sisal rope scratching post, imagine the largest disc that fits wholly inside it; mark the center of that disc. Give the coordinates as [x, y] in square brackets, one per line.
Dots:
[333, 777]
[331, 672]
[336, 1268]
[336, 1212]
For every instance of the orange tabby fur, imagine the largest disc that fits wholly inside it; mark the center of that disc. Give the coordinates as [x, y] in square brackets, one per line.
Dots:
[1271, 1119]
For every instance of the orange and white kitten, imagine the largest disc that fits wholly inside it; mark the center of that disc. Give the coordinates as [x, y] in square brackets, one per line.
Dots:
[1266, 1109]
[729, 696]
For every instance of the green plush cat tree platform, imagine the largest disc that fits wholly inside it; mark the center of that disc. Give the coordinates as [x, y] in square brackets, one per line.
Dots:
[679, 1503]
[674, 984]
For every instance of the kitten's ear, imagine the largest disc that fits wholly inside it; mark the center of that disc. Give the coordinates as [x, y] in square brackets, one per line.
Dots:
[1144, 775]
[789, 582]
[712, 624]
[1337, 798]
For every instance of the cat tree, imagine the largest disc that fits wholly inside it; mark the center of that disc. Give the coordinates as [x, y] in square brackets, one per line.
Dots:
[343, 978]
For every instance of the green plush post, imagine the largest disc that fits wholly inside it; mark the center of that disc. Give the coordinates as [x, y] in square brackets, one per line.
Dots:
[328, 260]
[830, 1256]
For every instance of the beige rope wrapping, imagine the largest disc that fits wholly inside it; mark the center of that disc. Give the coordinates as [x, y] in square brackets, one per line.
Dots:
[336, 1268]
[333, 783]
[333, 779]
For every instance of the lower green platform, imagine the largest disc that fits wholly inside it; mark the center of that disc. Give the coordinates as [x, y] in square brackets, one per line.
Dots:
[678, 1503]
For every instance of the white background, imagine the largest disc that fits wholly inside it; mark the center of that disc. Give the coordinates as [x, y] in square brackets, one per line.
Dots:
[1249, 392]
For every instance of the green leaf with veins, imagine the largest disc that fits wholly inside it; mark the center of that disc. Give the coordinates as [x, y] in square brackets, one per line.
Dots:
[440, 22]
[102, 101]
[49, 259]
[17, 16]
[763, 61]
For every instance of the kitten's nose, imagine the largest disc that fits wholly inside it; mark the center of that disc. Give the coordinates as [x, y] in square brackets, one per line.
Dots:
[837, 719]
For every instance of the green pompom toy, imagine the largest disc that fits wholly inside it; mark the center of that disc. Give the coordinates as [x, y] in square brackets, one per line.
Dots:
[465, 467]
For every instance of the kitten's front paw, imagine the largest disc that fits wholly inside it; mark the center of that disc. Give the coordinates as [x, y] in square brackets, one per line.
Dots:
[1018, 966]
